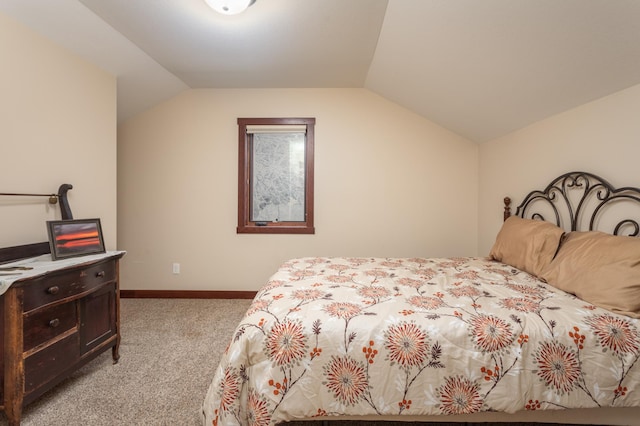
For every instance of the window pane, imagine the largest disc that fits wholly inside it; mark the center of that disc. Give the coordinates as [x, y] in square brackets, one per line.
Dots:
[278, 176]
[275, 175]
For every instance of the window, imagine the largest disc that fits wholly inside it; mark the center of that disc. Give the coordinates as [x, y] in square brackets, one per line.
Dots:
[275, 175]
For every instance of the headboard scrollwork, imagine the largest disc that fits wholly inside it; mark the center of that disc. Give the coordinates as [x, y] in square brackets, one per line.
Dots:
[581, 201]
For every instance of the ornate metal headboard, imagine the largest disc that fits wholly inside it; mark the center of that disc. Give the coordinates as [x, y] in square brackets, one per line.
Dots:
[581, 201]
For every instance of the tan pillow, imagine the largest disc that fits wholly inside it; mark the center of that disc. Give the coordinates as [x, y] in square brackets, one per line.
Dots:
[599, 268]
[526, 244]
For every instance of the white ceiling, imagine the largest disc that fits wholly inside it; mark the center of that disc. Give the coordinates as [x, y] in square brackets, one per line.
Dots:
[481, 68]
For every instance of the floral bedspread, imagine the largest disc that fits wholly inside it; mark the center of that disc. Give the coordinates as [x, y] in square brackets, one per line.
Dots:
[385, 336]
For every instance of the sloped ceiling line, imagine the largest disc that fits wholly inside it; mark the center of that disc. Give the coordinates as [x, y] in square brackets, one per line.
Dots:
[481, 69]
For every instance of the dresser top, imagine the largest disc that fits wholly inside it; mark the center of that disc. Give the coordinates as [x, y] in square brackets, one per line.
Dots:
[41, 265]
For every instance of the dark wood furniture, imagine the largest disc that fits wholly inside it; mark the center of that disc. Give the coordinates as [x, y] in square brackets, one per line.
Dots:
[54, 323]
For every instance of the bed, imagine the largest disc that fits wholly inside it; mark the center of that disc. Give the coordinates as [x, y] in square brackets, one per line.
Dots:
[547, 323]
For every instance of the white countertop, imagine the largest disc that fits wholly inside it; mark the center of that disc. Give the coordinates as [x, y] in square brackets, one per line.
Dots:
[40, 265]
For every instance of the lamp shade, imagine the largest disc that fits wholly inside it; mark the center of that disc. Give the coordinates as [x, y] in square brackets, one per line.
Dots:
[229, 7]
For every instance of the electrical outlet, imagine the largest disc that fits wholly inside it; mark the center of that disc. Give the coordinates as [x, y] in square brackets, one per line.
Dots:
[176, 268]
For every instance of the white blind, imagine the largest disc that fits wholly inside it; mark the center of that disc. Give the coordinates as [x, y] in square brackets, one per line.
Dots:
[276, 128]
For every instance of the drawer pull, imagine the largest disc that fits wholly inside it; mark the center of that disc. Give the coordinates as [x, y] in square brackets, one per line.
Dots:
[53, 289]
[100, 274]
[54, 323]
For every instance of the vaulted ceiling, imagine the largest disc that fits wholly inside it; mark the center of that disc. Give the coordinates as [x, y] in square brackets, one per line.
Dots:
[481, 68]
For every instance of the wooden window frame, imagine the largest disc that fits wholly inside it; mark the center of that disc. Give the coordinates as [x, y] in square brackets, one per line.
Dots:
[245, 225]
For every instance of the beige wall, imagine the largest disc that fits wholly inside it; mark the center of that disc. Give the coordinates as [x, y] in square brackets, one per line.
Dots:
[601, 137]
[387, 183]
[57, 125]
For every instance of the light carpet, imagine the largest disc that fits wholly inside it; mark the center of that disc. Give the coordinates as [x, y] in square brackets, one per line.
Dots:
[168, 354]
[169, 351]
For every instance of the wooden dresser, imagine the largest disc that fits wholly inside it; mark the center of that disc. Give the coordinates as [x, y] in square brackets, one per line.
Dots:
[55, 322]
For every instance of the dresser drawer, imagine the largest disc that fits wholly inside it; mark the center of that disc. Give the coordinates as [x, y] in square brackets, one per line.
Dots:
[59, 286]
[52, 323]
[44, 324]
[46, 364]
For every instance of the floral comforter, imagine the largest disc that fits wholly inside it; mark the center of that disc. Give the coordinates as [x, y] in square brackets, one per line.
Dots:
[384, 336]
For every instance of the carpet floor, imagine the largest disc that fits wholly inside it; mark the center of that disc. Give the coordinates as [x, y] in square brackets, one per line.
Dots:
[169, 351]
[168, 354]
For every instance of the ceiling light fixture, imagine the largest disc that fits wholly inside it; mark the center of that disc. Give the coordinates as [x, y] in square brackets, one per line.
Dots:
[229, 7]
